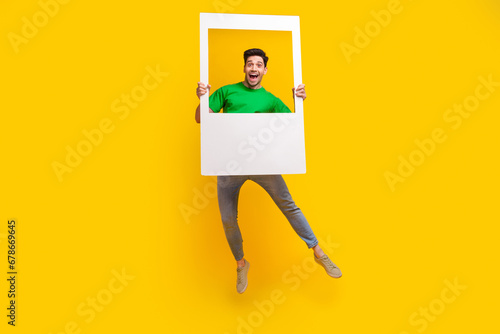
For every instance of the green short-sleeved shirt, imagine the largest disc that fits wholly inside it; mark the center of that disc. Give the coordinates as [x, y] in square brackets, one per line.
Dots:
[237, 98]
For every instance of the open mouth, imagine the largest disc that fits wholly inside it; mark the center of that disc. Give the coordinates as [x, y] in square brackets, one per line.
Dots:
[253, 76]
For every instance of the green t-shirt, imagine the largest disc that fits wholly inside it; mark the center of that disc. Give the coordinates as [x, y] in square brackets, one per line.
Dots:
[237, 98]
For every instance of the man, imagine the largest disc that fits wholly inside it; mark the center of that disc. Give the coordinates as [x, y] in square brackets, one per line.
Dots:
[249, 96]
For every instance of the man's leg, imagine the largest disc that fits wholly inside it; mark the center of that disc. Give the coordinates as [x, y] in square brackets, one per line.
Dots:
[276, 187]
[228, 191]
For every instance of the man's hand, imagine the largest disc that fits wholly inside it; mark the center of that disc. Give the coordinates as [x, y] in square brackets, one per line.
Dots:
[300, 92]
[202, 89]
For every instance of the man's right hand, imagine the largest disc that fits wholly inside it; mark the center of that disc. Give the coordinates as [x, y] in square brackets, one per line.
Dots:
[202, 89]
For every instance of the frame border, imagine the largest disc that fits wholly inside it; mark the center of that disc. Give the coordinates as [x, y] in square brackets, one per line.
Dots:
[251, 22]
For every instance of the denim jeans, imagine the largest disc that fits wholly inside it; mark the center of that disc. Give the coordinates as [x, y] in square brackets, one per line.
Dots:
[228, 190]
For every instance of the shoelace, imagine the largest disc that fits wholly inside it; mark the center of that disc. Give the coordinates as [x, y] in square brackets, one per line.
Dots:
[239, 278]
[330, 264]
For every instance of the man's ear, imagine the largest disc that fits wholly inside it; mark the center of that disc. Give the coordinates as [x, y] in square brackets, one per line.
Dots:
[265, 70]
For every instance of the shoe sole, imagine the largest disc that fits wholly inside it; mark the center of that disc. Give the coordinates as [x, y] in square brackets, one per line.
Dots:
[245, 289]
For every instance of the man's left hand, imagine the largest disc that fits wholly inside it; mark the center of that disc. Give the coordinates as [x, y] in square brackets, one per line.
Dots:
[300, 91]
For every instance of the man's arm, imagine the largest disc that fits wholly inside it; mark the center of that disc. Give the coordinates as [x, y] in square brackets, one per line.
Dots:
[201, 90]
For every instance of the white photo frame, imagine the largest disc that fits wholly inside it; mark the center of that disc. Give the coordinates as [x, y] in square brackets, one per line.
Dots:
[251, 144]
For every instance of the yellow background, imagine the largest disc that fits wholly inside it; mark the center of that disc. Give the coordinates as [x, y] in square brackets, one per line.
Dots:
[120, 208]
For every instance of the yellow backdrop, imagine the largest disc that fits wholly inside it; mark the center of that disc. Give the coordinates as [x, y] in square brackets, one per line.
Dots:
[117, 231]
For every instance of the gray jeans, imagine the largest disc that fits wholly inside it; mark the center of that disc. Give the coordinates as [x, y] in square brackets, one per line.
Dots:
[228, 190]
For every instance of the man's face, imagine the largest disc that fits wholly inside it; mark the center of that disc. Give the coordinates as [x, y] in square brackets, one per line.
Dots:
[254, 71]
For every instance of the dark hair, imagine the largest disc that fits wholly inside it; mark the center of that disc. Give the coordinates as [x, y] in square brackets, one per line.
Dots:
[255, 52]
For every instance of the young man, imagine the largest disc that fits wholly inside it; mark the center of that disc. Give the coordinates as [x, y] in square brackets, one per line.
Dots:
[249, 96]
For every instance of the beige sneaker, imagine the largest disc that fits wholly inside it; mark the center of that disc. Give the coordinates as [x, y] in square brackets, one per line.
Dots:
[330, 267]
[241, 279]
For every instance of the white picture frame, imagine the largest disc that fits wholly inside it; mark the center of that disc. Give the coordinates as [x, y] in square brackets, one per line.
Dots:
[251, 144]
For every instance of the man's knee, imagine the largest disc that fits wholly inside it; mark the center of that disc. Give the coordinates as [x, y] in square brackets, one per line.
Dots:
[289, 207]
